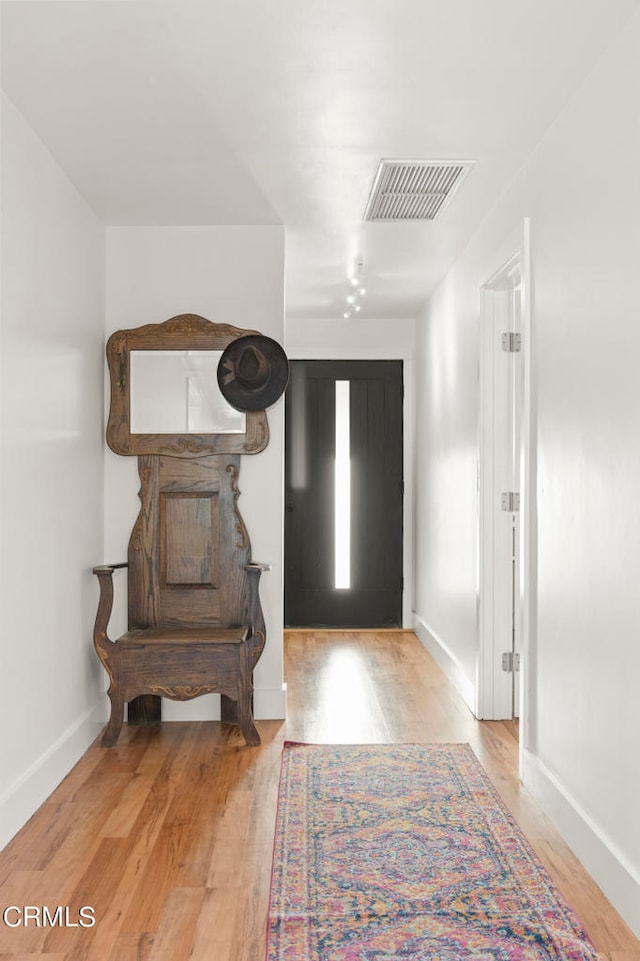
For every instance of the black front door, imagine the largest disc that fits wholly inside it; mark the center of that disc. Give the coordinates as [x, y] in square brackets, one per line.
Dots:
[344, 490]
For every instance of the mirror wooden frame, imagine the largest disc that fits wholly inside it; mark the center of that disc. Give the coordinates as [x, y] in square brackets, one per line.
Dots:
[183, 332]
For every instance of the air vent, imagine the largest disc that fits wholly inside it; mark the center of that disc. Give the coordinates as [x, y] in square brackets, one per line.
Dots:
[414, 189]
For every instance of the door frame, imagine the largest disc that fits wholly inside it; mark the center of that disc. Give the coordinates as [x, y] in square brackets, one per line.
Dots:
[408, 419]
[491, 685]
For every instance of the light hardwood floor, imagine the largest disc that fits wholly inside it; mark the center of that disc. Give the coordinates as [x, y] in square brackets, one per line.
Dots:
[169, 835]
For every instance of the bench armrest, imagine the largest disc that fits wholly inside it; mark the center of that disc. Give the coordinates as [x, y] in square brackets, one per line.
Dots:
[253, 609]
[104, 573]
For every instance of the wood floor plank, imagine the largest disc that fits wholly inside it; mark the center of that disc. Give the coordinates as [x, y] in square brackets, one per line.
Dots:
[32, 957]
[130, 803]
[141, 845]
[131, 947]
[176, 928]
[216, 928]
[179, 853]
[24, 888]
[57, 821]
[169, 836]
[96, 888]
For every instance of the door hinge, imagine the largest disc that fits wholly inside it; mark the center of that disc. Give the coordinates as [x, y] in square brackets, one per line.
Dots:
[511, 342]
[511, 661]
[511, 501]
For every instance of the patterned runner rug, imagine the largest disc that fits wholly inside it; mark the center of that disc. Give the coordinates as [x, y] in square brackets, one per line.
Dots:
[407, 853]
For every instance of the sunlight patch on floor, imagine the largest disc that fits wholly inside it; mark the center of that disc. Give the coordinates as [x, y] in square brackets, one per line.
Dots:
[348, 706]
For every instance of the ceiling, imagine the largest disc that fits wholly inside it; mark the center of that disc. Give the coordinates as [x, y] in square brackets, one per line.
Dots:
[279, 111]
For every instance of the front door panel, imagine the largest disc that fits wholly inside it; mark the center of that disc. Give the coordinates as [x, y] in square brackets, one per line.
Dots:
[344, 493]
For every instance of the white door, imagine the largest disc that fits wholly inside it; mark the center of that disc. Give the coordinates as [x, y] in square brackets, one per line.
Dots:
[500, 471]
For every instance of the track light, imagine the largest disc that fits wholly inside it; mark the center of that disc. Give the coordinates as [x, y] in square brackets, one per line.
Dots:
[356, 289]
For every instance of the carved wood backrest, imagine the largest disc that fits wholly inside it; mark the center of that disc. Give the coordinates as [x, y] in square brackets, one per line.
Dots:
[189, 546]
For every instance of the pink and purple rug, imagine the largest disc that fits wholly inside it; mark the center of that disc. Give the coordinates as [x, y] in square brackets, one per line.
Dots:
[407, 853]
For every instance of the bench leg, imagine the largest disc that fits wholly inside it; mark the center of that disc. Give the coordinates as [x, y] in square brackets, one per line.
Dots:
[228, 710]
[247, 726]
[114, 726]
[239, 712]
[245, 699]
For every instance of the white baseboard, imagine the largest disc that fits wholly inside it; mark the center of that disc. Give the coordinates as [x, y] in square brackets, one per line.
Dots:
[23, 798]
[268, 705]
[606, 864]
[204, 708]
[446, 661]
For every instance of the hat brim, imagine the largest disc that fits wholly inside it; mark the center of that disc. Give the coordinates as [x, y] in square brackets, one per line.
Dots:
[271, 388]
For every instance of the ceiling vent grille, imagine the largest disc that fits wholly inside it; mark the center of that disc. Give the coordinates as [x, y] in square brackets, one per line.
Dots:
[414, 189]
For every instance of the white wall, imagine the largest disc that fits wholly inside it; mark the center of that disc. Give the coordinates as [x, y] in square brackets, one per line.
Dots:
[353, 339]
[580, 188]
[446, 487]
[370, 339]
[231, 275]
[51, 507]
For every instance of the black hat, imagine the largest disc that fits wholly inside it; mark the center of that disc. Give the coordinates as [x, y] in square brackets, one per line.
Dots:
[253, 372]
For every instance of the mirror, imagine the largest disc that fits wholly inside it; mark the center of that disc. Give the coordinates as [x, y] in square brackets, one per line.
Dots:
[176, 392]
[165, 397]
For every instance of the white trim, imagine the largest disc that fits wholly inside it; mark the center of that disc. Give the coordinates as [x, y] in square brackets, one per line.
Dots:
[408, 507]
[491, 690]
[270, 704]
[491, 695]
[608, 866]
[29, 791]
[445, 660]
[528, 502]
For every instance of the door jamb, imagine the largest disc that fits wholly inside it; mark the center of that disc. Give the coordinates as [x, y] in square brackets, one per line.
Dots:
[527, 547]
[408, 419]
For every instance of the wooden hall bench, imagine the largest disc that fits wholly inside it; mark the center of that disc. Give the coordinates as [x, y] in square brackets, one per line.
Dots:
[195, 623]
[181, 662]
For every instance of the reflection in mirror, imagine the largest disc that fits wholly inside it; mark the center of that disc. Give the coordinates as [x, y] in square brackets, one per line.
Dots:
[176, 392]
